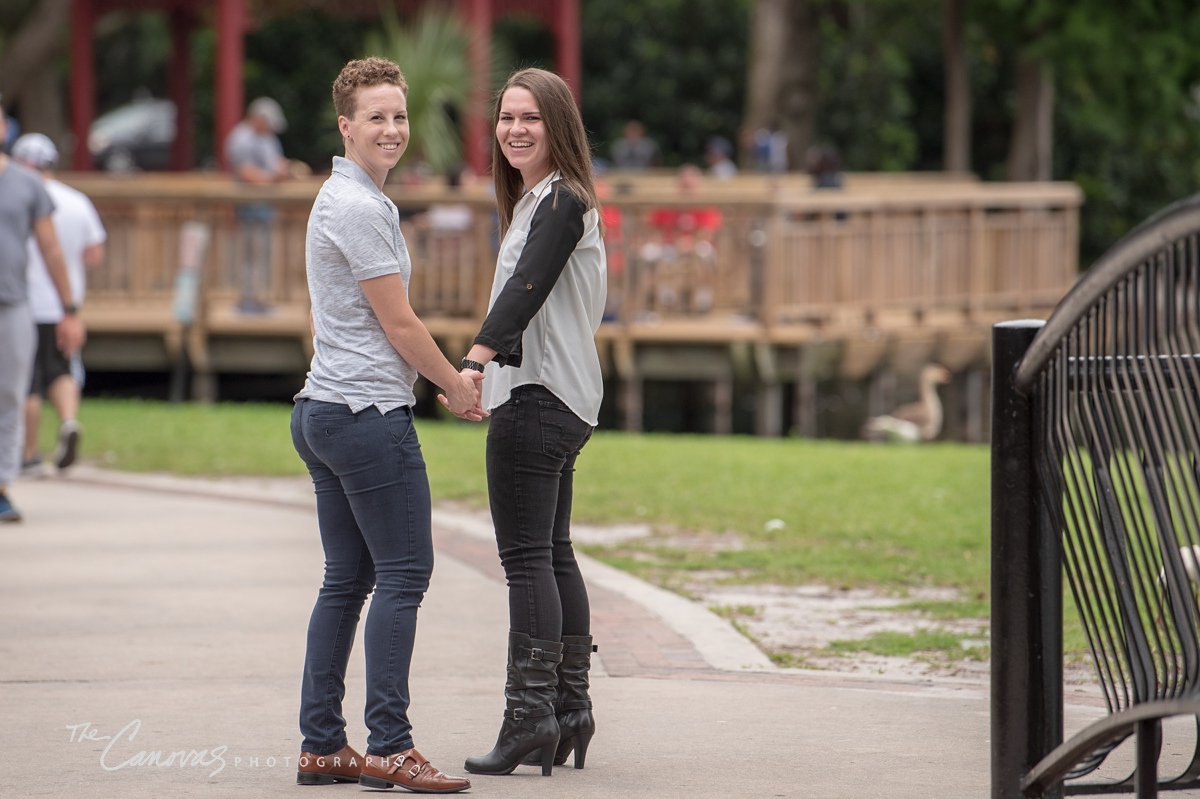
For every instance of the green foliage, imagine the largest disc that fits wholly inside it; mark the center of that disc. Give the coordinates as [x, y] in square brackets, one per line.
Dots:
[432, 53]
[867, 93]
[1126, 125]
[295, 58]
[136, 49]
[678, 66]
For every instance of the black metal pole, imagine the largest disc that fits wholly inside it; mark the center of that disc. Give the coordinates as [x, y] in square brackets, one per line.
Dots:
[1026, 701]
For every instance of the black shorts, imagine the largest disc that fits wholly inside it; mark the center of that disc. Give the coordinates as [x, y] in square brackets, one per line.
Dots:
[49, 364]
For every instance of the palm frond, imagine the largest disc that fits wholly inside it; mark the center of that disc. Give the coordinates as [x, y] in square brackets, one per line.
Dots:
[432, 53]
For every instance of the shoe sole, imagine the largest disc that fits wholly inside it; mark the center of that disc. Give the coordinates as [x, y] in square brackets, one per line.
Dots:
[68, 449]
[315, 778]
[381, 784]
[13, 515]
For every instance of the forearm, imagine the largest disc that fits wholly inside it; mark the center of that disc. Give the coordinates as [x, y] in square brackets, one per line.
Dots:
[481, 353]
[411, 339]
[52, 256]
[93, 256]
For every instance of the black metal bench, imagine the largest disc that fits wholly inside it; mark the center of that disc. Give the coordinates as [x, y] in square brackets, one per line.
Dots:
[1096, 476]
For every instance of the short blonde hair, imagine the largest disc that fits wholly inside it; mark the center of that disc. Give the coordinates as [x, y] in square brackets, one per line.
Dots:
[355, 75]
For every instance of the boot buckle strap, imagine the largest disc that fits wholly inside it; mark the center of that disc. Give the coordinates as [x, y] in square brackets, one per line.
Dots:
[522, 713]
[580, 649]
[537, 653]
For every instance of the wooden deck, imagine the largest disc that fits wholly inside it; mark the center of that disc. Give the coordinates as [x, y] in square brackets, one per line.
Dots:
[757, 280]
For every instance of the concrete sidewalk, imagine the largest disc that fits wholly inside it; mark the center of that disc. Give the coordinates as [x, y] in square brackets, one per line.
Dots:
[149, 614]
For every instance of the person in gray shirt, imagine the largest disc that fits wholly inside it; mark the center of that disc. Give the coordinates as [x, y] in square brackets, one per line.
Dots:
[254, 156]
[25, 210]
[353, 427]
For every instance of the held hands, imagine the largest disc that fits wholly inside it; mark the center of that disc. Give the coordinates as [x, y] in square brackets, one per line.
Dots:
[464, 399]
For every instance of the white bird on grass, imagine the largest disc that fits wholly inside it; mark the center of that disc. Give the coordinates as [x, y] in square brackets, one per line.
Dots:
[918, 421]
[1190, 555]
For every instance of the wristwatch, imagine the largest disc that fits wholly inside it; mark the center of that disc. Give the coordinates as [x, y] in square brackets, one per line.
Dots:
[71, 310]
[467, 363]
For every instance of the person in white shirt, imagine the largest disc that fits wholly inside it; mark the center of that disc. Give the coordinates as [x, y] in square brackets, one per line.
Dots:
[57, 377]
[543, 387]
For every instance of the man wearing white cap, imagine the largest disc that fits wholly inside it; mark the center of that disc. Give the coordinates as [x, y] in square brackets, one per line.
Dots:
[25, 209]
[57, 376]
[254, 155]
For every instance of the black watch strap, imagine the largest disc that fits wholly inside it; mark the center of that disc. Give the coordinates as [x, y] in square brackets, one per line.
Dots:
[70, 310]
[467, 363]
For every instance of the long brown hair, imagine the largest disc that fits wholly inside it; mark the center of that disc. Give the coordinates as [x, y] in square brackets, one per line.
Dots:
[565, 136]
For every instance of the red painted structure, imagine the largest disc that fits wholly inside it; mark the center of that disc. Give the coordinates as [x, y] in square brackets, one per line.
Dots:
[231, 20]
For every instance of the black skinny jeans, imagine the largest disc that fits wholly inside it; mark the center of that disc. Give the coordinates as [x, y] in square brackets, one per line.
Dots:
[532, 443]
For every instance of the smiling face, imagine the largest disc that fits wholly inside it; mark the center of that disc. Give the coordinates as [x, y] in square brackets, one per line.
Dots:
[377, 134]
[522, 135]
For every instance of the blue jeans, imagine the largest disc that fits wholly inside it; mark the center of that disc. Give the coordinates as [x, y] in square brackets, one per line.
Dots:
[532, 443]
[373, 510]
[256, 224]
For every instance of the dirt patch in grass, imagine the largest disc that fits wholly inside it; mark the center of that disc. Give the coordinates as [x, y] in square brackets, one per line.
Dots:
[854, 630]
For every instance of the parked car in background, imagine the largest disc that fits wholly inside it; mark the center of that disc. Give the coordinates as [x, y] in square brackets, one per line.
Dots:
[134, 136]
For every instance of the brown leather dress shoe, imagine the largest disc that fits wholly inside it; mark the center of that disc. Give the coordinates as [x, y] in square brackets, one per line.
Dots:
[343, 765]
[409, 770]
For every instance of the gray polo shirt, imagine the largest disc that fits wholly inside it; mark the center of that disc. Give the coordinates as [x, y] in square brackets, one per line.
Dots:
[23, 201]
[244, 145]
[354, 235]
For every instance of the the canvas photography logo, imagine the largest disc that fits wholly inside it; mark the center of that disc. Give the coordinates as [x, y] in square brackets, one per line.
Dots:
[128, 747]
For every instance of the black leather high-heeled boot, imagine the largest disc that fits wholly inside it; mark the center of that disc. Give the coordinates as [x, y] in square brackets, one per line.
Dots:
[576, 726]
[529, 724]
[573, 705]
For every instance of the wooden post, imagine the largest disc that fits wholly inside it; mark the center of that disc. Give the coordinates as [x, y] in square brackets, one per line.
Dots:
[83, 81]
[230, 90]
[476, 137]
[182, 149]
[566, 44]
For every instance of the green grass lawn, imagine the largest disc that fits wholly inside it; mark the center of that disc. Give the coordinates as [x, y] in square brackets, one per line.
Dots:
[796, 511]
[840, 513]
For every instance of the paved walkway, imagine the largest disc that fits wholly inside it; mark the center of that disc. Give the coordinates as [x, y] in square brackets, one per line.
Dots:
[143, 615]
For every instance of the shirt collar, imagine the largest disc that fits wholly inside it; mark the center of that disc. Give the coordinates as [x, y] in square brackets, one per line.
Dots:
[540, 187]
[344, 166]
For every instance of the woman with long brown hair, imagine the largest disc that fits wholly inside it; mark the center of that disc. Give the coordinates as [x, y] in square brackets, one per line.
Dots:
[543, 387]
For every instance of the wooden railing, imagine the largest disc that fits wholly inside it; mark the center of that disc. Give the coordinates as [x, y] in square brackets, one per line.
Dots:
[767, 261]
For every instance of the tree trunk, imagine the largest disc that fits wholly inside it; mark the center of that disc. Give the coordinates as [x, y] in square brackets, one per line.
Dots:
[798, 81]
[781, 90]
[957, 130]
[768, 49]
[33, 48]
[1032, 143]
[42, 111]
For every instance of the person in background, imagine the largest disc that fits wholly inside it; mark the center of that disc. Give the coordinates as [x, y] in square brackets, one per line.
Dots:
[634, 151]
[25, 210]
[718, 154]
[254, 155]
[56, 376]
[543, 387]
[824, 165]
[14, 130]
[352, 425]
